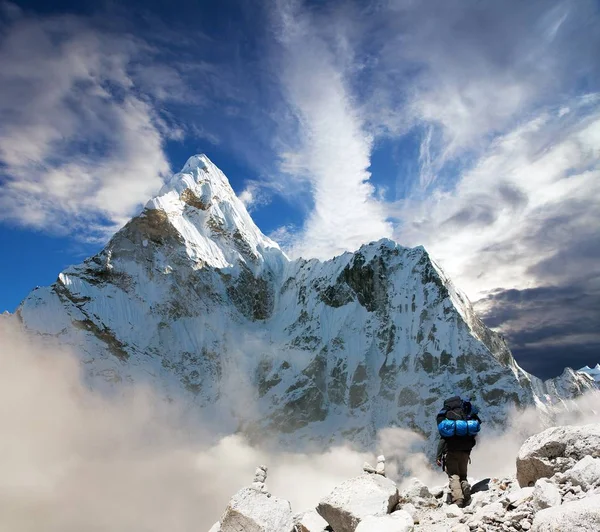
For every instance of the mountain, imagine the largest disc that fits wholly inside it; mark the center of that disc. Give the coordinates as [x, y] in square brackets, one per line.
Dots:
[191, 297]
[592, 372]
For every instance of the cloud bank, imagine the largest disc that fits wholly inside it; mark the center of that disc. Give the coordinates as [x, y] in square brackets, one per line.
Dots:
[76, 460]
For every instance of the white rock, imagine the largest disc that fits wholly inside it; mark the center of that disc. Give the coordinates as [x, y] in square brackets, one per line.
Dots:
[357, 498]
[461, 527]
[253, 510]
[453, 511]
[518, 497]
[525, 524]
[553, 450]
[368, 468]
[490, 512]
[545, 495]
[399, 521]
[416, 488]
[216, 527]
[381, 465]
[575, 516]
[586, 473]
[310, 521]
[412, 510]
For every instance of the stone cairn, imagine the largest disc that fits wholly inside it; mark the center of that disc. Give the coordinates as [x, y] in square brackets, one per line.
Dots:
[260, 476]
[379, 470]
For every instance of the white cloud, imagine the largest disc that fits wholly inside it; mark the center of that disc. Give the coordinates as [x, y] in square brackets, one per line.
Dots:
[533, 192]
[81, 146]
[334, 150]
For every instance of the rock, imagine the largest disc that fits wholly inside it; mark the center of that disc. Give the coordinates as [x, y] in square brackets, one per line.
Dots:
[411, 510]
[310, 521]
[380, 465]
[416, 489]
[554, 450]
[462, 527]
[490, 512]
[368, 468]
[545, 495]
[437, 491]
[453, 511]
[518, 497]
[575, 516]
[525, 524]
[586, 473]
[399, 521]
[216, 527]
[357, 498]
[250, 509]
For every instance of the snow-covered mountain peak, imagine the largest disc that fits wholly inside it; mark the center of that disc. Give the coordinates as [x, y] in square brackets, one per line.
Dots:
[592, 372]
[212, 222]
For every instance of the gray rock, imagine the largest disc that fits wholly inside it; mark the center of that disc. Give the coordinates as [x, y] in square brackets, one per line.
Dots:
[489, 513]
[438, 491]
[357, 498]
[310, 521]
[586, 473]
[575, 516]
[545, 495]
[254, 511]
[399, 521]
[416, 489]
[554, 450]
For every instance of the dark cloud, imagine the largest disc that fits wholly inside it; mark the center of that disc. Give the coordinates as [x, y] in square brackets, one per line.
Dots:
[549, 327]
[475, 215]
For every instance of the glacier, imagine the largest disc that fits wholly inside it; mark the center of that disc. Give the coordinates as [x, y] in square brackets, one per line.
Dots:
[193, 299]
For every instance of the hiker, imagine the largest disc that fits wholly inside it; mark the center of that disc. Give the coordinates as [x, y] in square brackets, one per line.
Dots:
[458, 425]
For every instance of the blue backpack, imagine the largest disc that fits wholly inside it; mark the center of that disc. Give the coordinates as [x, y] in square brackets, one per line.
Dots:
[459, 418]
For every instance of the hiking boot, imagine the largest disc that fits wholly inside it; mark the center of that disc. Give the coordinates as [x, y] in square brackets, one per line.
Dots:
[466, 489]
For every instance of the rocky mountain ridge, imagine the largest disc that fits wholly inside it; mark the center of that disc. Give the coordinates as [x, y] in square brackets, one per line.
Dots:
[556, 488]
[192, 298]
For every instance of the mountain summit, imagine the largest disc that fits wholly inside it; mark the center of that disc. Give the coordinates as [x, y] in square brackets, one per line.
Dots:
[193, 298]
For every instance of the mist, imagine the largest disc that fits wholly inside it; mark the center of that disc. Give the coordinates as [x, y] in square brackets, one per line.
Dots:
[72, 459]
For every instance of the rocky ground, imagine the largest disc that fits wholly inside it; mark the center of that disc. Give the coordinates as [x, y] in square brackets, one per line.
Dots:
[556, 488]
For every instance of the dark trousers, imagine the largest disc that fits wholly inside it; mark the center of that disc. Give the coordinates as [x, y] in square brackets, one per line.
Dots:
[456, 468]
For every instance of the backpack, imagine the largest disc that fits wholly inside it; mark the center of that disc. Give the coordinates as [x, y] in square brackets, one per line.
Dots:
[458, 418]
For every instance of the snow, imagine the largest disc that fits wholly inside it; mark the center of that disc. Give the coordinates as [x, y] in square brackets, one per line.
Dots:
[592, 372]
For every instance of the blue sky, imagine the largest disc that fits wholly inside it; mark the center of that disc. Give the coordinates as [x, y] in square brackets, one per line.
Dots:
[472, 128]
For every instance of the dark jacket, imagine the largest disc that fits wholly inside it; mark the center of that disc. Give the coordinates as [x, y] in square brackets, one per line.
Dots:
[457, 443]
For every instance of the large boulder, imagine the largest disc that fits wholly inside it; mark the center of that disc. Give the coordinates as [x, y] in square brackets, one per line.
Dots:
[556, 450]
[399, 521]
[575, 516]
[252, 510]
[357, 498]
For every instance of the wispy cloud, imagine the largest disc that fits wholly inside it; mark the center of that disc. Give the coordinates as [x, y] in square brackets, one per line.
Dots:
[80, 145]
[333, 149]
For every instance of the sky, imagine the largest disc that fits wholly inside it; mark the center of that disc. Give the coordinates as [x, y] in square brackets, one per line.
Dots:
[471, 128]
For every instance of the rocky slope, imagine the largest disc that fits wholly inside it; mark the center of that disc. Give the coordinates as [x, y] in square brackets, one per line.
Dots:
[556, 488]
[191, 297]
